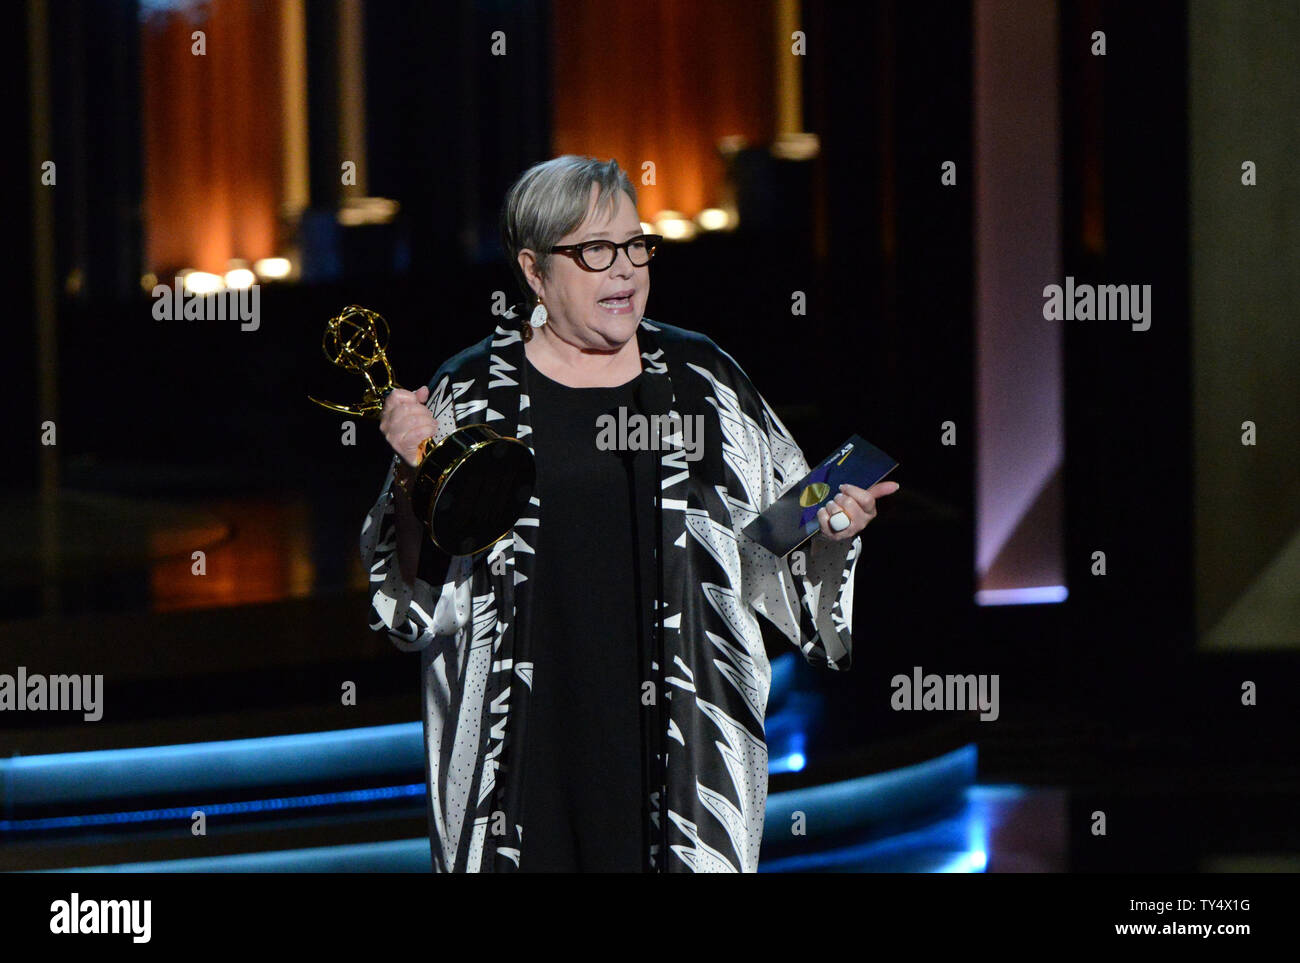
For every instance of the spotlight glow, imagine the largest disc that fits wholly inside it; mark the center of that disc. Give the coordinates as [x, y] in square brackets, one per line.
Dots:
[713, 219]
[674, 226]
[240, 278]
[791, 763]
[273, 268]
[201, 282]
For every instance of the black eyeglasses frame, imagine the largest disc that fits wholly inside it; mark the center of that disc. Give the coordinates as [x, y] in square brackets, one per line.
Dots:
[577, 251]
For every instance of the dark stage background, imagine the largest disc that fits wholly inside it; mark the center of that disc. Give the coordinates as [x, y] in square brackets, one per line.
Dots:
[1125, 696]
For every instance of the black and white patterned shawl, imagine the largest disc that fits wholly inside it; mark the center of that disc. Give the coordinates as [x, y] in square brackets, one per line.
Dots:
[477, 671]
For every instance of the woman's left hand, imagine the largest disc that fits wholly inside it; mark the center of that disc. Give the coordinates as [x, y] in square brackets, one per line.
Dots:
[859, 504]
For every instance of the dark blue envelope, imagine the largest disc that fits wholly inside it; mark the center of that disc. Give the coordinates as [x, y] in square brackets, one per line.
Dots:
[792, 519]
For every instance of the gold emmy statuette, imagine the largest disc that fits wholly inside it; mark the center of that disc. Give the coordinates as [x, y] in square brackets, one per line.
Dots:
[471, 487]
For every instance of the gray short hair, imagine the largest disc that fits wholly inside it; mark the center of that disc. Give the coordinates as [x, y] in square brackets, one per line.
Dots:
[549, 200]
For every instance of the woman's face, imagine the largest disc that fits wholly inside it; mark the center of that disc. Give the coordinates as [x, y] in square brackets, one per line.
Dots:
[599, 310]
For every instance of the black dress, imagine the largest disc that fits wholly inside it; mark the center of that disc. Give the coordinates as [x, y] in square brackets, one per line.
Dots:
[584, 763]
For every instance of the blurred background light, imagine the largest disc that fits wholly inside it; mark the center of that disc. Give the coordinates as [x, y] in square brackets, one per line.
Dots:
[1031, 595]
[713, 219]
[674, 226]
[202, 282]
[272, 268]
[356, 211]
[240, 278]
[796, 146]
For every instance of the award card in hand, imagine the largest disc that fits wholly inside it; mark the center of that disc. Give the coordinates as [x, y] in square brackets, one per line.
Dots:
[792, 518]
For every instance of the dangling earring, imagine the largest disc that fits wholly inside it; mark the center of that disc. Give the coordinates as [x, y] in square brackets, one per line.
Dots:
[539, 315]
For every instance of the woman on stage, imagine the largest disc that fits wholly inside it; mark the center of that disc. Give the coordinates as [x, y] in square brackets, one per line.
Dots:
[595, 681]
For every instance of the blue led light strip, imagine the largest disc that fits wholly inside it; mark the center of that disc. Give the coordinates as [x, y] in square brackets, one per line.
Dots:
[1031, 595]
[214, 809]
[377, 753]
[852, 803]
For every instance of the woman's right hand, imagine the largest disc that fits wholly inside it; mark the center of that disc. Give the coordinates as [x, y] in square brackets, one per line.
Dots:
[406, 422]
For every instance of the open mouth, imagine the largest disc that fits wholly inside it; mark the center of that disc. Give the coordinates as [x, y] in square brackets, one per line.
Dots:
[618, 302]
